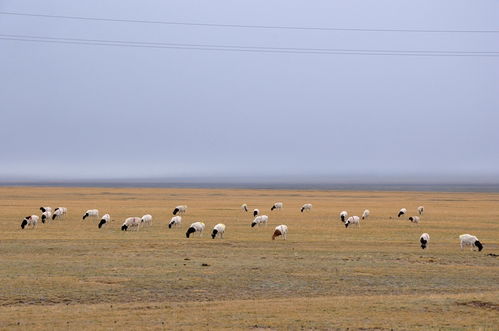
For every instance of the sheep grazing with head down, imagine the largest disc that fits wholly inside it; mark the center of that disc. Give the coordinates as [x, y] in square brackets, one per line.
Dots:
[402, 211]
[256, 212]
[424, 240]
[46, 215]
[343, 216]
[44, 209]
[280, 230]
[244, 207]
[59, 212]
[306, 207]
[469, 240]
[195, 227]
[352, 220]
[29, 221]
[180, 210]
[218, 230]
[104, 220]
[420, 210]
[414, 219]
[365, 214]
[91, 213]
[146, 219]
[277, 206]
[131, 222]
[259, 220]
[176, 220]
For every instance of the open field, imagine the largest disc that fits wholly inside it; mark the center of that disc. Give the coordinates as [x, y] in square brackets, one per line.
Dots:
[68, 274]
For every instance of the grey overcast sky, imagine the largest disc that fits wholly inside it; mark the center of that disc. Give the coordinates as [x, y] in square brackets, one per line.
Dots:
[80, 111]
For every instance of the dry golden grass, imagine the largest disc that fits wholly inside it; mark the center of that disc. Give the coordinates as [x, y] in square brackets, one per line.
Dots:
[68, 274]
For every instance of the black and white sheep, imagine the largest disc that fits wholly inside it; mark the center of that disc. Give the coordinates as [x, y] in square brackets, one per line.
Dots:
[256, 212]
[277, 206]
[131, 222]
[365, 214]
[91, 213]
[46, 215]
[414, 219]
[306, 207]
[343, 216]
[29, 221]
[180, 210]
[424, 240]
[420, 210]
[280, 230]
[44, 209]
[195, 227]
[218, 230]
[146, 219]
[469, 240]
[59, 212]
[259, 220]
[176, 220]
[402, 211]
[244, 207]
[104, 220]
[352, 220]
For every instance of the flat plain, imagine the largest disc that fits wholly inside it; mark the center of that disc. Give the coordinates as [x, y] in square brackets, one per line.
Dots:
[68, 274]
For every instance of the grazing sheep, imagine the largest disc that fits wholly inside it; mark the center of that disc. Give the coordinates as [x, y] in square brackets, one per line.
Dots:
[180, 210]
[343, 216]
[44, 209]
[91, 213]
[259, 220]
[146, 219]
[352, 220]
[365, 214]
[29, 221]
[256, 212]
[219, 230]
[306, 207]
[59, 212]
[104, 220]
[46, 215]
[176, 220]
[131, 222]
[277, 206]
[420, 210]
[402, 211]
[280, 230]
[414, 219]
[469, 240]
[195, 227]
[424, 240]
[244, 207]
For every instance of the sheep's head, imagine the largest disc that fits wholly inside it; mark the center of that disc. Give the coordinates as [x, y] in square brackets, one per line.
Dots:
[347, 223]
[479, 245]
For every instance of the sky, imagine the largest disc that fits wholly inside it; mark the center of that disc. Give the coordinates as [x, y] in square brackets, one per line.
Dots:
[94, 111]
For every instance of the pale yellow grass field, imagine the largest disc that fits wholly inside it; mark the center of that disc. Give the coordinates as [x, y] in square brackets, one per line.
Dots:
[70, 275]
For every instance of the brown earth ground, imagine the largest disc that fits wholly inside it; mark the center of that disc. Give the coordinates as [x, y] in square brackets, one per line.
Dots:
[68, 274]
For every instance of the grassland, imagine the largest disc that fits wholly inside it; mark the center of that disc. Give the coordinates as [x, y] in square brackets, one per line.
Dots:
[70, 275]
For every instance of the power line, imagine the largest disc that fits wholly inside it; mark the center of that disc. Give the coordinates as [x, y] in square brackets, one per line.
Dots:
[251, 49]
[187, 45]
[242, 26]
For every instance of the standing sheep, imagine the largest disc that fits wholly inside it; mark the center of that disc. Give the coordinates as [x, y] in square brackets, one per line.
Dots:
[46, 215]
[469, 240]
[104, 220]
[306, 207]
[219, 230]
[365, 214]
[424, 240]
[262, 219]
[280, 230]
[146, 219]
[29, 221]
[414, 219]
[352, 220]
[131, 222]
[420, 210]
[176, 220]
[244, 207]
[402, 211]
[195, 227]
[91, 213]
[277, 206]
[180, 210]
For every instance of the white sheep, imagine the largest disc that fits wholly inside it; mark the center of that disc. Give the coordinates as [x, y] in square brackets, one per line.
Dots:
[59, 212]
[180, 210]
[146, 219]
[280, 230]
[277, 206]
[402, 211]
[259, 220]
[46, 215]
[131, 222]
[44, 209]
[256, 212]
[29, 221]
[414, 219]
[365, 214]
[244, 207]
[176, 220]
[469, 240]
[343, 216]
[306, 207]
[104, 220]
[219, 230]
[420, 210]
[91, 213]
[352, 220]
[195, 227]
[424, 240]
